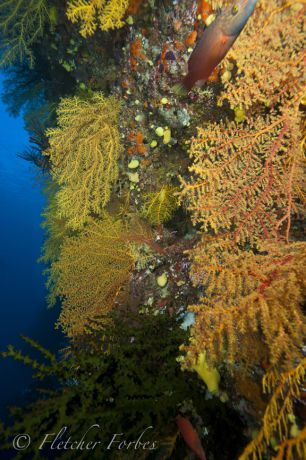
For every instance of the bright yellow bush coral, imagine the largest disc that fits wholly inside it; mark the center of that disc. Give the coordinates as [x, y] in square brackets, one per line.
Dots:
[84, 151]
[159, 206]
[286, 387]
[108, 14]
[92, 269]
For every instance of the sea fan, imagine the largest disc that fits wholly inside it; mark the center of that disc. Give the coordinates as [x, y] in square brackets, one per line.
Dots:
[84, 151]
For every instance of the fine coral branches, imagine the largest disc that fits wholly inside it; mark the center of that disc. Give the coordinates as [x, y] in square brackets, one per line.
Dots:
[268, 74]
[247, 294]
[22, 23]
[93, 269]
[245, 188]
[107, 14]
[159, 206]
[292, 448]
[244, 192]
[112, 14]
[244, 177]
[84, 151]
[286, 387]
[84, 11]
[90, 272]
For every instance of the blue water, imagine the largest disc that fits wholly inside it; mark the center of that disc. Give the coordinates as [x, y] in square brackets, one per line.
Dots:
[23, 308]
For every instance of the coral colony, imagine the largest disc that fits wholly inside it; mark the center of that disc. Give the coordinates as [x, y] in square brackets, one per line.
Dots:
[170, 138]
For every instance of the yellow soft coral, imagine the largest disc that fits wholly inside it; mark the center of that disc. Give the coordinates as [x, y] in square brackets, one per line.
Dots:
[90, 272]
[111, 16]
[107, 14]
[159, 206]
[84, 150]
[290, 444]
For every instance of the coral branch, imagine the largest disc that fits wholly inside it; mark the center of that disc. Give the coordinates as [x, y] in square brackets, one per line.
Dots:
[286, 388]
[84, 150]
[108, 14]
[22, 23]
[260, 295]
[244, 178]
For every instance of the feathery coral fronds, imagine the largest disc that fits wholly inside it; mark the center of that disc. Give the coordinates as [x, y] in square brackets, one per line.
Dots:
[92, 269]
[293, 448]
[84, 11]
[108, 14]
[246, 185]
[90, 272]
[84, 150]
[112, 14]
[22, 23]
[245, 178]
[159, 206]
[269, 74]
[276, 421]
[56, 231]
[249, 295]
[55, 227]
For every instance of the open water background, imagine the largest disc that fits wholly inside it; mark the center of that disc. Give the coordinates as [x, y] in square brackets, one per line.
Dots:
[23, 308]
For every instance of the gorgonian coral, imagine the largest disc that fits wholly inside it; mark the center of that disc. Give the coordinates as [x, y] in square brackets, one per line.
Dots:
[84, 151]
[246, 178]
[90, 272]
[249, 295]
[289, 444]
[245, 190]
[107, 14]
[269, 57]
[22, 23]
[92, 269]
